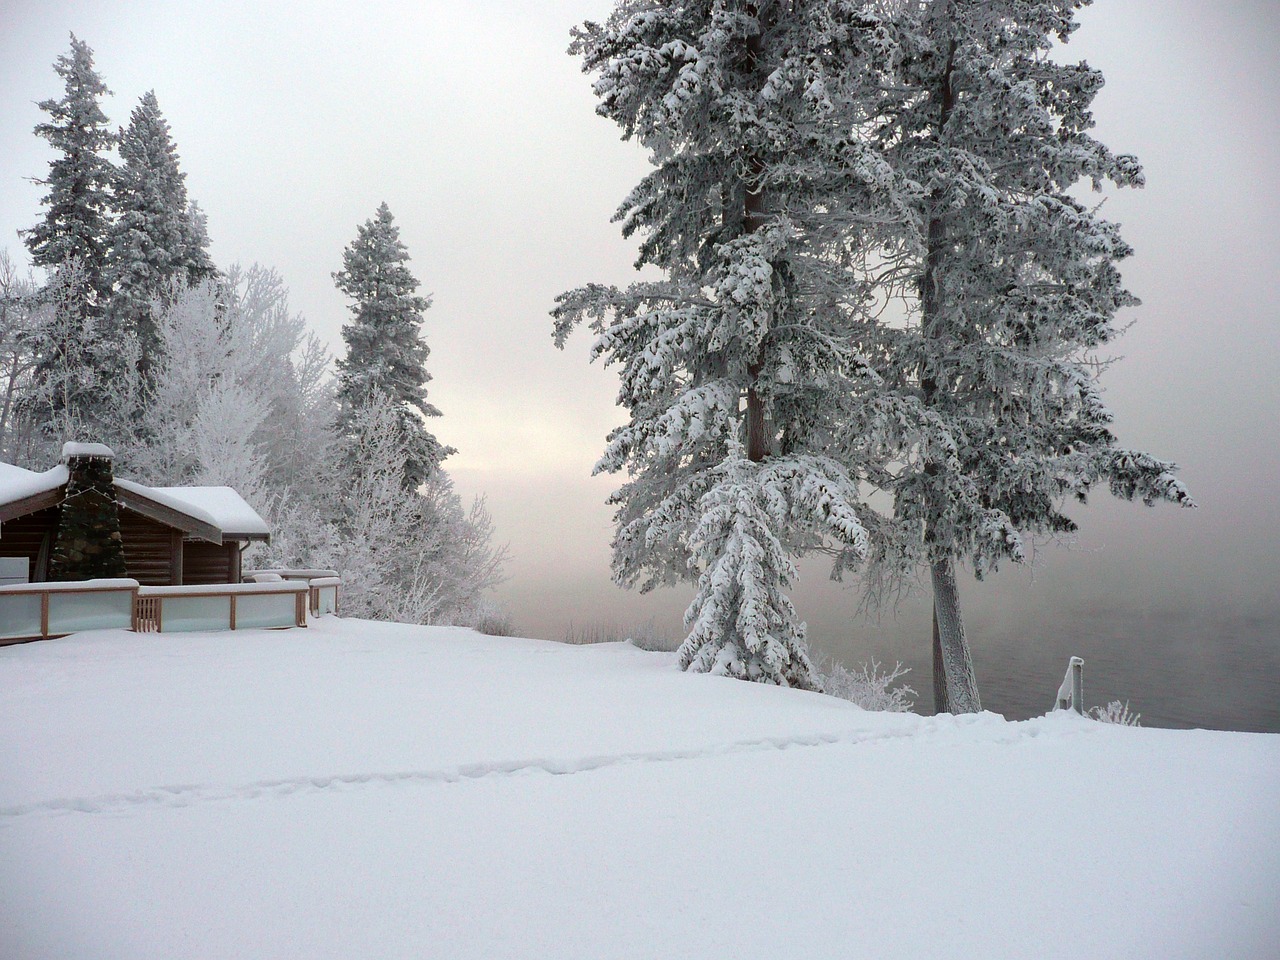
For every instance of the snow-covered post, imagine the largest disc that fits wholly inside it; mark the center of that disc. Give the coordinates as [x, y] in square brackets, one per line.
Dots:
[1071, 692]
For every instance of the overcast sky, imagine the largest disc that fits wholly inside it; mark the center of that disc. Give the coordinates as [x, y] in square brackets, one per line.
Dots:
[294, 121]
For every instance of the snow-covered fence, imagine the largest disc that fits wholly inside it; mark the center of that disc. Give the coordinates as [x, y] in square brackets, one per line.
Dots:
[36, 611]
[39, 611]
[324, 595]
[324, 585]
[290, 573]
[222, 606]
[1071, 691]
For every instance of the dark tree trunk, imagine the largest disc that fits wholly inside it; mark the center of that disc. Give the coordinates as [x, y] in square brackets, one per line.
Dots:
[941, 703]
[955, 688]
[952, 649]
[758, 440]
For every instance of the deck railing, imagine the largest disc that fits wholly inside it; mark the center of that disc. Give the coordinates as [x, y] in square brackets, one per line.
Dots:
[291, 573]
[324, 584]
[324, 595]
[1071, 691]
[39, 611]
[223, 606]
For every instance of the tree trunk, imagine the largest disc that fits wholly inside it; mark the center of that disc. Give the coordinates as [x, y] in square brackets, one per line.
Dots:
[752, 217]
[955, 688]
[941, 703]
[952, 649]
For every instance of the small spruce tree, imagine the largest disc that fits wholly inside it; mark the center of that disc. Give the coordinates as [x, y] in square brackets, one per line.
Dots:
[386, 354]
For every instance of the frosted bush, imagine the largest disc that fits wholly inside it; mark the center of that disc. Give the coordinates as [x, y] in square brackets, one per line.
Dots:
[581, 634]
[1116, 712]
[870, 687]
[647, 636]
[488, 618]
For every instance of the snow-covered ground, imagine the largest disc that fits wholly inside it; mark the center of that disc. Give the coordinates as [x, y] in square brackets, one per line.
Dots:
[361, 790]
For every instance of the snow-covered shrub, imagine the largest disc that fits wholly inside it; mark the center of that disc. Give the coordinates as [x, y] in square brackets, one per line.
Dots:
[488, 618]
[1116, 712]
[407, 555]
[582, 634]
[647, 636]
[869, 687]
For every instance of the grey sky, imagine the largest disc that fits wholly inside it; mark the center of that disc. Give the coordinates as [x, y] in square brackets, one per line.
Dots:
[294, 121]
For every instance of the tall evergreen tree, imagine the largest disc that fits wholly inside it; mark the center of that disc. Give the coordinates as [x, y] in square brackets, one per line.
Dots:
[156, 237]
[989, 409]
[386, 354]
[738, 367]
[70, 241]
[78, 204]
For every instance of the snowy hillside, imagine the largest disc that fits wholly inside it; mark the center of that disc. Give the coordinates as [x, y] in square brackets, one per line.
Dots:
[383, 791]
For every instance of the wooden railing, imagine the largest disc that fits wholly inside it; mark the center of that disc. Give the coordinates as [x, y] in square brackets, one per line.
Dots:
[290, 573]
[1071, 692]
[146, 617]
[223, 606]
[325, 584]
[325, 593]
[40, 611]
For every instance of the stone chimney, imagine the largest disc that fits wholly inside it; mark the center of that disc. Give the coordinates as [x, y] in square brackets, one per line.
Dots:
[87, 543]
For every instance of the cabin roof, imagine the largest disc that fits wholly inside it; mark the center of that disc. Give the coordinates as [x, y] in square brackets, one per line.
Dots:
[228, 510]
[211, 513]
[19, 484]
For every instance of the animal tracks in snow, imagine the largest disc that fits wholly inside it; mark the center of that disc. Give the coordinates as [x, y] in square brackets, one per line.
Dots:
[185, 795]
[191, 794]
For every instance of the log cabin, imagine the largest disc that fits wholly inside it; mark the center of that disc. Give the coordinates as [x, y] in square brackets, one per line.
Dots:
[163, 536]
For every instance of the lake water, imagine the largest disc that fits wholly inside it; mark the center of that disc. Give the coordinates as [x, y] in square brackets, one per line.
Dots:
[1177, 669]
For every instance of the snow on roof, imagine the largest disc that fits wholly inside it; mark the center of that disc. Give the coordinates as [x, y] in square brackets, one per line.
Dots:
[18, 484]
[219, 507]
[73, 449]
[160, 496]
[226, 509]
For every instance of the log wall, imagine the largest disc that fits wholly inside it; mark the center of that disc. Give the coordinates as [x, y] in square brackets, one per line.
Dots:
[204, 562]
[27, 537]
[149, 549]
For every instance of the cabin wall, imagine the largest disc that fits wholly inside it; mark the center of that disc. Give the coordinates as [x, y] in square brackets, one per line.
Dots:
[152, 553]
[30, 537]
[204, 562]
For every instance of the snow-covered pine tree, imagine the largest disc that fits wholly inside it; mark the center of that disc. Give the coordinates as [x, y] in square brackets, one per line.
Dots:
[72, 235]
[155, 237]
[20, 317]
[990, 404]
[738, 368]
[78, 204]
[386, 354]
[198, 263]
